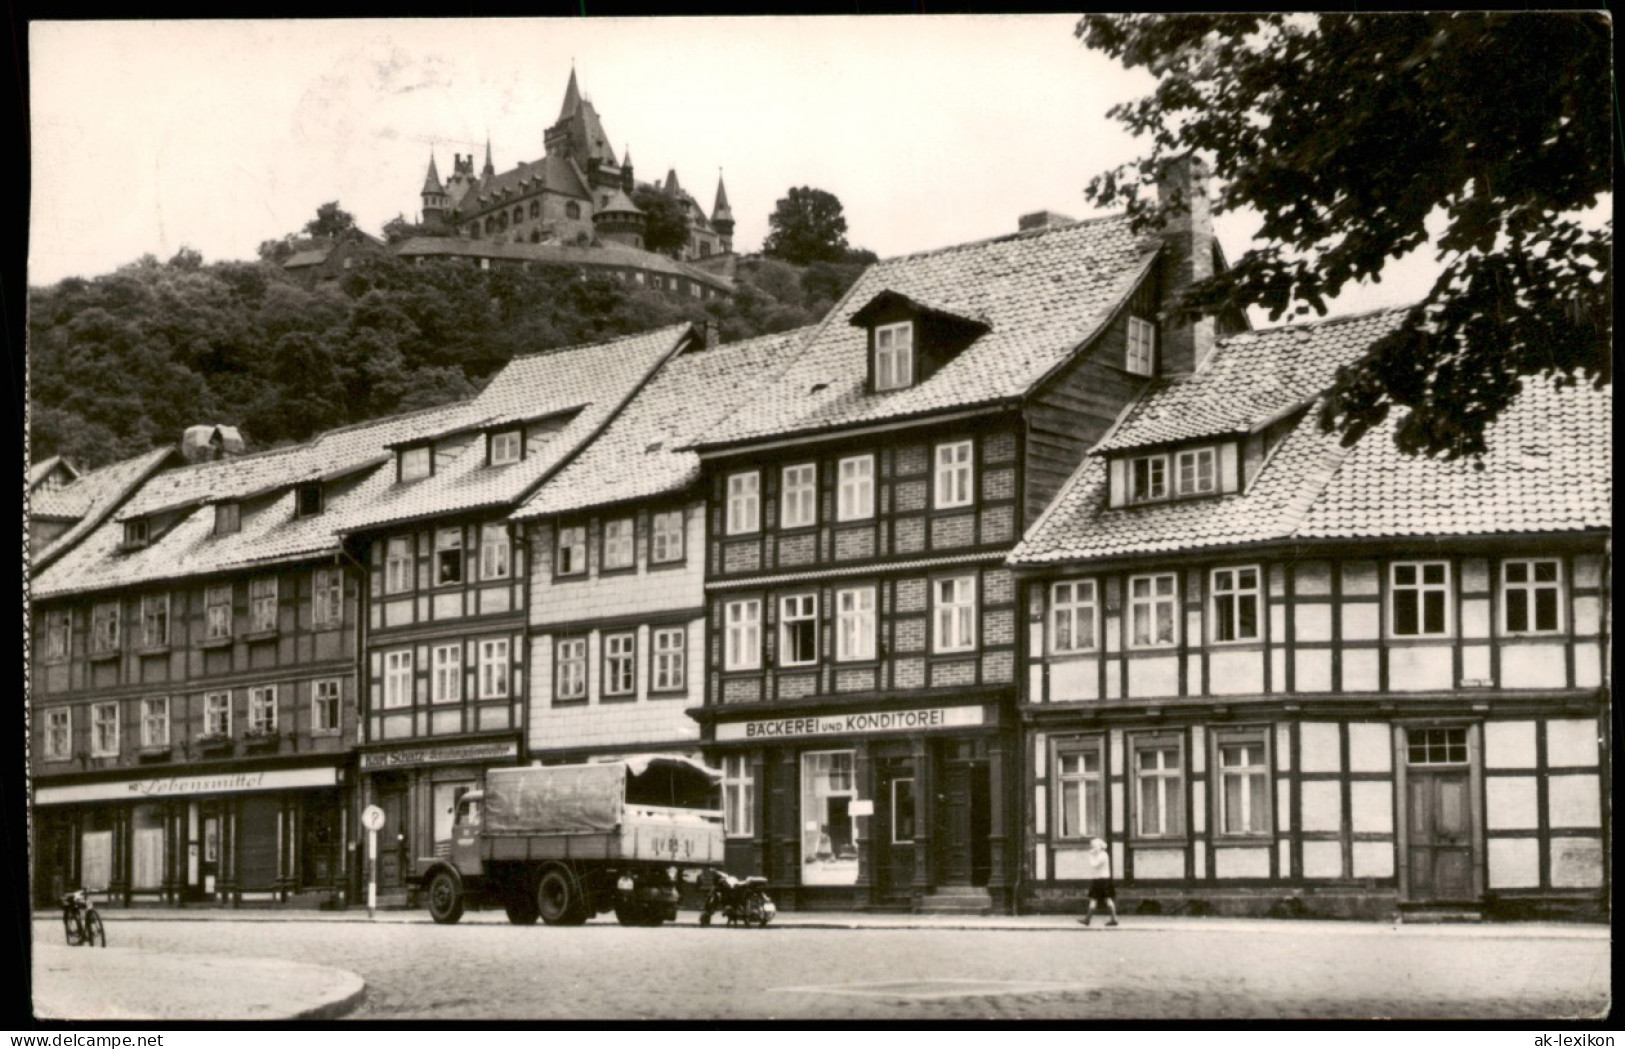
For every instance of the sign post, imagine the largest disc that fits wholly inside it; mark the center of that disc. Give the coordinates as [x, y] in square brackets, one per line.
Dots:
[372, 818]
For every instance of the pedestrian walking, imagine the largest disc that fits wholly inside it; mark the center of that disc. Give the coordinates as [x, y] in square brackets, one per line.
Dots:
[1101, 887]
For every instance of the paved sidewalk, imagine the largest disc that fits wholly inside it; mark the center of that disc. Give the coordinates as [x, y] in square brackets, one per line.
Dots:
[92, 983]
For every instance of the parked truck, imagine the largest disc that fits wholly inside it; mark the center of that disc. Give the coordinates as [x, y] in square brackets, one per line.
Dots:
[567, 842]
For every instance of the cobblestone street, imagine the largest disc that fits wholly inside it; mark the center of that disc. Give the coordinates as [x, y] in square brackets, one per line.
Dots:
[481, 969]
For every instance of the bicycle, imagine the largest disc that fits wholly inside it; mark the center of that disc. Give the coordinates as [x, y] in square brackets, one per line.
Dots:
[80, 922]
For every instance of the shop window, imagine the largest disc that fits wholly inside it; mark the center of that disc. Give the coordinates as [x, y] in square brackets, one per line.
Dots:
[954, 478]
[669, 646]
[743, 507]
[570, 673]
[1073, 614]
[104, 730]
[856, 495]
[217, 714]
[618, 544]
[155, 620]
[1159, 794]
[1420, 598]
[104, 627]
[738, 796]
[446, 677]
[262, 604]
[855, 623]
[955, 619]
[666, 537]
[1532, 596]
[829, 854]
[1153, 611]
[398, 679]
[147, 847]
[894, 356]
[800, 496]
[620, 664]
[743, 636]
[572, 556]
[798, 630]
[1244, 783]
[59, 734]
[1235, 604]
[495, 551]
[398, 565]
[262, 710]
[155, 722]
[327, 598]
[1079, 790]
[217, 612]
[448, 556]
[494, 668]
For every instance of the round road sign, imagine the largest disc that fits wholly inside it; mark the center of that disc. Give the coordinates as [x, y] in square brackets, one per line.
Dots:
[372, 817]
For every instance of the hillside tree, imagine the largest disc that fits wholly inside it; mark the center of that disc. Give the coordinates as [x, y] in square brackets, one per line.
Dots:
[807, 226]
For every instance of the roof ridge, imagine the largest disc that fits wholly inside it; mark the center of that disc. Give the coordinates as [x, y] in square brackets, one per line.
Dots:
[603, 342]
[1319, 322]
[1023, 234]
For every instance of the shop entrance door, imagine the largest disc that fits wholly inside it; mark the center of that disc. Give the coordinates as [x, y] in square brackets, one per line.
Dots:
[257, 842]
[964, 821]
[391, 839]
[894, 823]
[1440, 848]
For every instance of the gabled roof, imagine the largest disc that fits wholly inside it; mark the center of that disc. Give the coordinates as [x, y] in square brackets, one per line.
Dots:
[642, 453]
[1548, 468]
[42, 470]
[1260, 375]
[598, 380]
[608, 253]
[1043, 293]
[90, 499]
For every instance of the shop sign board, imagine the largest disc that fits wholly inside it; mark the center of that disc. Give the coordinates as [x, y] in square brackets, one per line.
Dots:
[921, 719]
[402, 757]
[177, 786]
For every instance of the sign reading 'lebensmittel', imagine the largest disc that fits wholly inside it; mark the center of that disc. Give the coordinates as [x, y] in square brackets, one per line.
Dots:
[922, 719]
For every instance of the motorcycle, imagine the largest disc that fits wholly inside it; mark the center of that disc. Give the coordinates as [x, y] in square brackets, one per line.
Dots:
[741, 900]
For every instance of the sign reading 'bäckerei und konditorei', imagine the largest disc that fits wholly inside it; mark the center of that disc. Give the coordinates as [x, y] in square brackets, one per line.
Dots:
[921, 719]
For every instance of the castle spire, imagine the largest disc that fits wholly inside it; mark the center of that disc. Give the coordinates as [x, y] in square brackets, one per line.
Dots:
[489, 170]
[720, 209]
[572, 97]
[722, 217]
[431, 181]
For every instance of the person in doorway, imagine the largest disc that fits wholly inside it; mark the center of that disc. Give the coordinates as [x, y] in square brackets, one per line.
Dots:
[1101, 888]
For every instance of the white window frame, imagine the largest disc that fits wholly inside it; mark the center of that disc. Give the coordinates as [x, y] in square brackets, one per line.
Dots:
[1074, 606]
[496, 551]
[798, 496]
[742, 634]
[1140, 355]
[953, 614]
[570, 668]
[855, 624]
[795, 609]
[1423, 591]
[326, 696]
[666, 537]
[855, 499]
[619, 544]
[1196, 459]
[104, 730]
[670, 656]
[136, 532]
[414, 464]
[449, 551]
[58, 634]
[1155, 476]
[398, 674]
[155, 721]
[1531, 588]
[620, 664]
[1226, 588]
[495, 671]
[1085, 782]
[154, 610]
[262, 709]
[894, 356]
[1165, 817]
[739, 796]
[1232, 776]
[398, 565]
[571, 557]
[505, 447]
[217, 713]
[1149, 602]
[102, 616]
[744, 502]
[446, 673]
[327, 597]
[262, 604]
[955, 475]
[59, 734]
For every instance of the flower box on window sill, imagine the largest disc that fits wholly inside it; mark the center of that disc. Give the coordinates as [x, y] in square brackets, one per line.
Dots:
[216, 744]
[216, 642]
[149, 754]
[260, 635]
[261, 740]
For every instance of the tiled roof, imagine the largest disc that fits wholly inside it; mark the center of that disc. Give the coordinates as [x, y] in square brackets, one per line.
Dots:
[1043, 293]
[1258, 375]
[41, 470]
[593, 380]
[90, 499]
[605, 254]
[552, 172]
[641, 454]
[1548, 469]
[308, 257]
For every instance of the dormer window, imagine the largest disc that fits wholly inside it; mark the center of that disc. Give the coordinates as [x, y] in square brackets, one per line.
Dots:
[135, 532]
[505, 447]
[1141, 356]
[1148, 478]
[894, 356]
[414, 463]
[1184, 474]
[227, 518]
[308, 500]
[1196, 472]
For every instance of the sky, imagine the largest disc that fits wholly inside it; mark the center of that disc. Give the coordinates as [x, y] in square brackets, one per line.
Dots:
[217, 135]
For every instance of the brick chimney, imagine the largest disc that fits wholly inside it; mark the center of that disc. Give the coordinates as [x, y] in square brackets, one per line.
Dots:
[1188, 233]
[1043, 220]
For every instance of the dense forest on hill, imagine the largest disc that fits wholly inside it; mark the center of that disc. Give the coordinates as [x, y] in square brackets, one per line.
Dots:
[126, 361]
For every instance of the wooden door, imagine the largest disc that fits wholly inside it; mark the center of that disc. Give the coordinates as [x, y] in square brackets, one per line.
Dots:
[954, 822]
[896, 815]
[391, 843]
[1440, 847]
[258, 839]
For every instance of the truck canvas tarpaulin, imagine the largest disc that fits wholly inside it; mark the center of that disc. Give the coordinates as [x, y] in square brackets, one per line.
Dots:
[573, 799]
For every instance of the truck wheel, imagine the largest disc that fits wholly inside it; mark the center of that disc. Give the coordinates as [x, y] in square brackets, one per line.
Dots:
[445, 899]
[522, 911]
[557, 900]
[629, 914]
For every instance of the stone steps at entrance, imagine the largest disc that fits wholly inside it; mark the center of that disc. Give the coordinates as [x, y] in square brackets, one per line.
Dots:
[956, 899]
[1439, 915]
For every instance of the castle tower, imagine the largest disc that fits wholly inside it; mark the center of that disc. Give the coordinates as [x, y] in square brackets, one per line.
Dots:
[489, 172]
[722, 217]
[626, 172]
[620, 221]
[435, 201]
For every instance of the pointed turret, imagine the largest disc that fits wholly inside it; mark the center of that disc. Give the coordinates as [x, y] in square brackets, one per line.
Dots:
[722, 216]
[572, 97]
[671, 182]
[489, 171]
[431, 181]
[434, 196]
[626, 172]
[619, 220]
